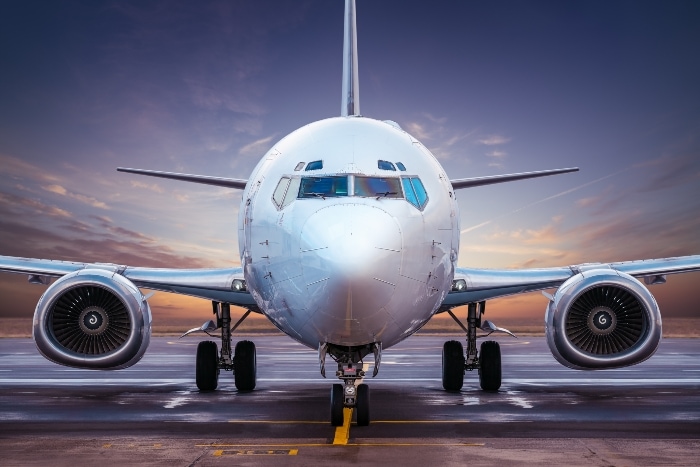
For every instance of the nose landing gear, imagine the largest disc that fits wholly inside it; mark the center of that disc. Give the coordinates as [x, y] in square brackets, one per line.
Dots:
[353, 393]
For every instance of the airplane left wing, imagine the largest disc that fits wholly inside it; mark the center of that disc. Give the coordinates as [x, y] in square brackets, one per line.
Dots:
[472, 285]
[224, 285]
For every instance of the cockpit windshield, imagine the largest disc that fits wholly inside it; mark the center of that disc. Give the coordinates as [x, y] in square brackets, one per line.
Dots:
[378, 187]
[333, 186]
[323, 187]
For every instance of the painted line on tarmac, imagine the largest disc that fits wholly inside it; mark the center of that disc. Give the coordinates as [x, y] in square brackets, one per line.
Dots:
[281, 422]
[315, 445]
[255, 452]
[342, 433]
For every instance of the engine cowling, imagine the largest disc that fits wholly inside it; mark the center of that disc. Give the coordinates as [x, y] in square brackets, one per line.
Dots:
[602, 318]
[94, 319]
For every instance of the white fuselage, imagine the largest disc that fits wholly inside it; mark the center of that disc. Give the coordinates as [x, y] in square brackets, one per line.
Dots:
[348, 268]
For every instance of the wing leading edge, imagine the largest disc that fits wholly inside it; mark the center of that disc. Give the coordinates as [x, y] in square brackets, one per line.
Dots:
[209, 284]
[486, 284]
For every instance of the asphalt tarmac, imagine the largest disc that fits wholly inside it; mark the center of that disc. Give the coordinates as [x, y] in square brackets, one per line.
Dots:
[544, 414]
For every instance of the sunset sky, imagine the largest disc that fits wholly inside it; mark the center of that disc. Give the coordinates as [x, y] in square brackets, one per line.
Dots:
[207, 87]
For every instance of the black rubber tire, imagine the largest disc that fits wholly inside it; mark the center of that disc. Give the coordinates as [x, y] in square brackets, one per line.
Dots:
[452, 366]
[207, 371]
[362, 405]
[490, 366]
[337, 404]
[245, 366]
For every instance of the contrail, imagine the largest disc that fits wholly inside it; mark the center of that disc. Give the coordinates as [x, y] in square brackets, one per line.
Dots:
[570, 190]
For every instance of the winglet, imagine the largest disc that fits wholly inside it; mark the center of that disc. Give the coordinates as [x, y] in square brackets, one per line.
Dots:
[350, 105]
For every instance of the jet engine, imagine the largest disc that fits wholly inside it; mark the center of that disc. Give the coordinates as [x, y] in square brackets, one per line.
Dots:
[92, 318]
[602, 318]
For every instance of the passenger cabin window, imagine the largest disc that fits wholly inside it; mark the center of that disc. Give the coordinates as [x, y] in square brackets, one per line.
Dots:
[315, 165]
[415, 191]
[385, 165]
[401, 167]
[378, 187]
[323, 187]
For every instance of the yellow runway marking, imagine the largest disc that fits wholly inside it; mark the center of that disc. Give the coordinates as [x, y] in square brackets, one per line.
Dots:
[255, 452]
[342, 433]
[313, 445]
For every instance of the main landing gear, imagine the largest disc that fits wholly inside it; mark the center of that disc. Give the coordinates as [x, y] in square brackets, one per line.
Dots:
[210, 361]
[487, 360]
[353, 393]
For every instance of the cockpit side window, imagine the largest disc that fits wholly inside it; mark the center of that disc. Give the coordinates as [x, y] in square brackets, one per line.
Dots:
[278, 195]
[385, 165]
[385, 187]
[401, 167]
[314, 165]
[408, 189]
[415, 191]
[292, 192]
[323, 187]
[299, 166]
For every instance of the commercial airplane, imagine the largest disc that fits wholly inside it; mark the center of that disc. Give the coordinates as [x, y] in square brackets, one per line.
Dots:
[349, 241]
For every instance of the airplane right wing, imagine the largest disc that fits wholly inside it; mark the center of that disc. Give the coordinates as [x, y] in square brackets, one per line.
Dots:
[473, 285]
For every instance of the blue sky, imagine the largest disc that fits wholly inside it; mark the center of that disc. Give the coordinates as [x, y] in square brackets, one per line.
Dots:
[490, 87]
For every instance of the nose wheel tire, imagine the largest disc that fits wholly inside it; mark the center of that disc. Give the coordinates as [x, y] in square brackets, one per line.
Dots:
[207, 372]
[337, 405]
[362, 406]
[244, 366]
[490, 366]
[453, 366]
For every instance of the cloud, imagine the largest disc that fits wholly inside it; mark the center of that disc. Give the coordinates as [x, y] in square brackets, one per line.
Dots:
[670, 171]
[152, 187]
[494, 140]
[21, 170]
[497, 154]
[62, 237]
[442, 139]
[257, 148]
[90, 201]
[16, 204]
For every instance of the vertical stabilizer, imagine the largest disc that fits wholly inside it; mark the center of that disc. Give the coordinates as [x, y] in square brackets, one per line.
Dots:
[351, 84]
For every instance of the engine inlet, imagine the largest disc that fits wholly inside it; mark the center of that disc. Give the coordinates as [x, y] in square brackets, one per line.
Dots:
[606, 320]
[90, 320]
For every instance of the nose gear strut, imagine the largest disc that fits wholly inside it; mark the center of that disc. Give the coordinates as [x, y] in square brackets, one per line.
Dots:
[353, 393]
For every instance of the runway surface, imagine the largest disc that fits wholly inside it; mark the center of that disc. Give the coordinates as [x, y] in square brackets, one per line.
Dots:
[544, 413]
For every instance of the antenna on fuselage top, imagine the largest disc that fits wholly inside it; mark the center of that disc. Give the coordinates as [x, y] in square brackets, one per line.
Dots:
[351, 84]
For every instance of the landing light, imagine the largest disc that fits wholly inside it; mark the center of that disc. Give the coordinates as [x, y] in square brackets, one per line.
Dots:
[238, 285]
[459, 285]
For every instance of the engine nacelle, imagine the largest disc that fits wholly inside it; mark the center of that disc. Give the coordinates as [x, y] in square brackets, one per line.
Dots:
[602, 319]
[94, 319]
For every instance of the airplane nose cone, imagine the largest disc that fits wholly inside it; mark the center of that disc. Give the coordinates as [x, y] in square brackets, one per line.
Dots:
[350, 259]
